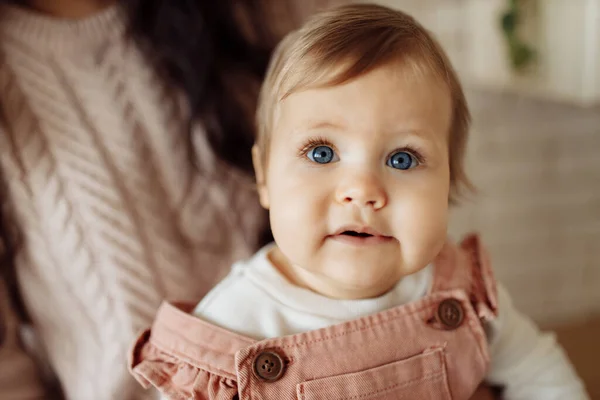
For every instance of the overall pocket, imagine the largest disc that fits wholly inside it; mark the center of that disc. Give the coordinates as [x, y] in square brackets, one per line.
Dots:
[422, 376]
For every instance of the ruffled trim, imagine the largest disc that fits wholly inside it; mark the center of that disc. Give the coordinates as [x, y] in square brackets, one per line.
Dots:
[176, 379]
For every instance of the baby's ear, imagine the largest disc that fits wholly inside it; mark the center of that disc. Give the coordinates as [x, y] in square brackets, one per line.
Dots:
[259, 171]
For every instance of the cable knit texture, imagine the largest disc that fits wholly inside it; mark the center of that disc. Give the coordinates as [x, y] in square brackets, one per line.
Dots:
[113, 216]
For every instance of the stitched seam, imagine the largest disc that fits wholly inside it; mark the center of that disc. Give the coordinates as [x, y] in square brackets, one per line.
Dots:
[445, 372]
[155, 341]
[396, 386]
[393, 318]
[476, 325]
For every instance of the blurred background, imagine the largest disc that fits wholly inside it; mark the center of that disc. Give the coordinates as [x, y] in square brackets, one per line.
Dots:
[531, 69]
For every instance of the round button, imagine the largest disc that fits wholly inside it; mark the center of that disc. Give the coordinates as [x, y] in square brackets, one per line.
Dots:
[450, 313]
[268, 366]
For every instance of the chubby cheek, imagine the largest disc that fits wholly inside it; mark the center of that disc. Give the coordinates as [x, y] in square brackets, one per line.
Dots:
[297, 211]
[421, 227]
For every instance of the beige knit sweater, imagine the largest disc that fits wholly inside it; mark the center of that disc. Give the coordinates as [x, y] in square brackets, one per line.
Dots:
[113, 217]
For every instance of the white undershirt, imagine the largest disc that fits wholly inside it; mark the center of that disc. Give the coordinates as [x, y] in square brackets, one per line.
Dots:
[257, 301]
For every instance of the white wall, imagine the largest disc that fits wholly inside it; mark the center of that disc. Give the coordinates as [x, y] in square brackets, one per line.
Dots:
[565, 33]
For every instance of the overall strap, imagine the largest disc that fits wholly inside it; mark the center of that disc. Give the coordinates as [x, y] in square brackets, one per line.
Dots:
[467, 267]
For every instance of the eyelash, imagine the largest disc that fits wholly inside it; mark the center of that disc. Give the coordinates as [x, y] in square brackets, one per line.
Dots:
[311, 143]
[412, 150]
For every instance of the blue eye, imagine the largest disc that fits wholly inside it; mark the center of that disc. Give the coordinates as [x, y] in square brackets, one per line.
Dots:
[402, 160]
[321, 154]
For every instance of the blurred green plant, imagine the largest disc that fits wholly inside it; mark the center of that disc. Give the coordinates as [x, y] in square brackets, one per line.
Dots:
[521, 54]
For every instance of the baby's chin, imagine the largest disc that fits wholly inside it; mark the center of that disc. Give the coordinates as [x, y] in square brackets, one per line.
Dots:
[345, 285]
[342, 276]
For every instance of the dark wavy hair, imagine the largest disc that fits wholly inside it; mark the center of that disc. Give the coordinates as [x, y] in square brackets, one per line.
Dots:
[213, 52]
[216, 52]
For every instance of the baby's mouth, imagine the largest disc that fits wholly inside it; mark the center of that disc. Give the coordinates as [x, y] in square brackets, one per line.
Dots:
[359, 236]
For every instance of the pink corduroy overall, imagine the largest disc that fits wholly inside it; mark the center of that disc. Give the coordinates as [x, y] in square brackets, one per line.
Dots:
[432, 348]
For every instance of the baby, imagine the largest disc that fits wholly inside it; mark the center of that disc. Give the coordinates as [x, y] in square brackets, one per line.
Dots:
[362, 128]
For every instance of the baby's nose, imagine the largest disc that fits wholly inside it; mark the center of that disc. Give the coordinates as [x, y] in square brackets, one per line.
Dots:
[362, 191]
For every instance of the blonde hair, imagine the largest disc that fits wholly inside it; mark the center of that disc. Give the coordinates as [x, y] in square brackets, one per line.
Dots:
[343, 43]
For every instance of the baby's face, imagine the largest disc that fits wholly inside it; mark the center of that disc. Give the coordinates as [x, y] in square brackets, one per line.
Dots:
[357, 182]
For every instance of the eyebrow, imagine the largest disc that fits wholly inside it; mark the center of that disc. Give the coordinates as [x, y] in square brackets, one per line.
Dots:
[314, 125]
[421, 133]
[323, 124]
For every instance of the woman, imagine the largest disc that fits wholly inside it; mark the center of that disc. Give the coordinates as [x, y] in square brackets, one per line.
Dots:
[125, 134]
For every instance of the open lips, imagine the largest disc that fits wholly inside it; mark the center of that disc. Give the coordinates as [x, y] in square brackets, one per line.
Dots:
[360, 235]
[356, 234]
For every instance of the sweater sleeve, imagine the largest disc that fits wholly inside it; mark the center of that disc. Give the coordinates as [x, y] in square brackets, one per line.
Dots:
[19, 376]
[527, 363]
